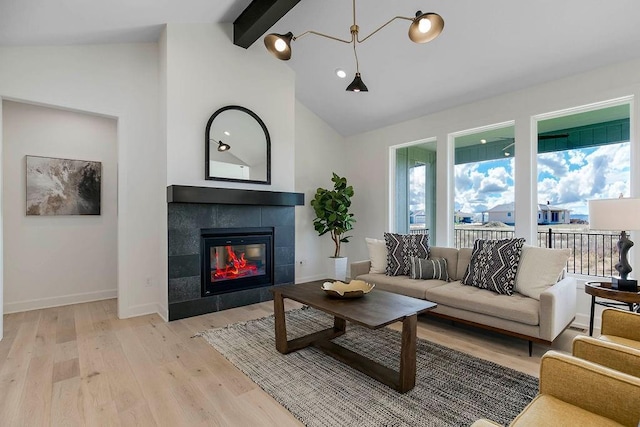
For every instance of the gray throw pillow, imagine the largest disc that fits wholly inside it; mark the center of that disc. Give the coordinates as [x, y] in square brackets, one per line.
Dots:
[426, 269]
[494, 265]
[400, 249]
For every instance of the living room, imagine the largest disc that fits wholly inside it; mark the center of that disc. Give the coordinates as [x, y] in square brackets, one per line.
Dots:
[160, 95]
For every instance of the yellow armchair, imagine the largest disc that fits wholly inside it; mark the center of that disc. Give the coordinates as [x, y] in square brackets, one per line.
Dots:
[621, 327]
[576, 392]
[610, 354]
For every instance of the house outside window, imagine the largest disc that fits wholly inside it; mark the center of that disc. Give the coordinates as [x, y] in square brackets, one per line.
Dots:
[583, 156]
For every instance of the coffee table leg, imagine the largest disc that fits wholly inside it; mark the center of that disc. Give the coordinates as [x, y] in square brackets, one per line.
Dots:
[593, 305]
[408, 354]
[339, 324]
[281, 327]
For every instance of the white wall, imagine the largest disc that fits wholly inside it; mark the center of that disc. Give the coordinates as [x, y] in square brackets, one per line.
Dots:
[57, 260]
[206, 71]
[319, 151]
[369, 152]
[120, 81]
[163, 281]
[202, 72]
[161, 95]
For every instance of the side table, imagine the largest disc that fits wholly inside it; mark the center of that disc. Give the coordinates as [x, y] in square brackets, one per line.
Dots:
[604, 290]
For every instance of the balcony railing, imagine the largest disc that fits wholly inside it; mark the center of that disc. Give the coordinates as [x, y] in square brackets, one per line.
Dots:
[593, 254]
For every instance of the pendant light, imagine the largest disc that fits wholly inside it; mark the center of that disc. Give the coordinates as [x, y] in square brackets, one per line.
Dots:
[357, 85]
[424, 28]
[222, 146]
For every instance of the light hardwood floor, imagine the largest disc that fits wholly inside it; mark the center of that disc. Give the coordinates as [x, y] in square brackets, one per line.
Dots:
[81, 365]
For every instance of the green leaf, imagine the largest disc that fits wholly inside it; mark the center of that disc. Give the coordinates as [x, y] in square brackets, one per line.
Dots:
[331, 208]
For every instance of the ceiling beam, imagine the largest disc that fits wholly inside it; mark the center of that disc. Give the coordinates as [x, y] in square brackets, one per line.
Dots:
[257, 18]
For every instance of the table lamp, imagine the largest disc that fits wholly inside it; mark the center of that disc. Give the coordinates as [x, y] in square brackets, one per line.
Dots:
[618, 214]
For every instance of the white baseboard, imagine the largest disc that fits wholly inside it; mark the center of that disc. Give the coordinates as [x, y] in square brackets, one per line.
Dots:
[582, 322]
[35, 304]
[142, 310]
[163, 312]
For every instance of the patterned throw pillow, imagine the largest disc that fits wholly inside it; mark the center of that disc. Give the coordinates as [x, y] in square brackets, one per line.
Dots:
[435, 268]
[494, 264]
[400, 249]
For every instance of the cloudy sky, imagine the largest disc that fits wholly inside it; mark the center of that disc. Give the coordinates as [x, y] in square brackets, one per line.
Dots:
[565, 178]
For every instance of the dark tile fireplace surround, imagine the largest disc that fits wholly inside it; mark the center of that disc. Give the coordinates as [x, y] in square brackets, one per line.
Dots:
[193, 209]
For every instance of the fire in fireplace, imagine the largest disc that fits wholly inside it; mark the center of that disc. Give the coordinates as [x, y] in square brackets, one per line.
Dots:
[232, 261]
[236, 259]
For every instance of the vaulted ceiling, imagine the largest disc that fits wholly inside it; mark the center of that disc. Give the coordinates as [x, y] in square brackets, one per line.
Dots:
[487, 47]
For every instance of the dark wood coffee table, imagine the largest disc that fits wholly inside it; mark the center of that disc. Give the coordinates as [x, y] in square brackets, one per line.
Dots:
[375, 310]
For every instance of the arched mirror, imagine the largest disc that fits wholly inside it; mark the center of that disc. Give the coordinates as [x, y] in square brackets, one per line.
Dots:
[238, 146]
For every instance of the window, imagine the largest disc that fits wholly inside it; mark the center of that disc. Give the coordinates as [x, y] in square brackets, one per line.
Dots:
[484, 184]
[582, 156]
[415, 190]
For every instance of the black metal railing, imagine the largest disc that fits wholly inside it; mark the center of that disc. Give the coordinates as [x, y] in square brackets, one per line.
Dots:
[593, 254]
[465, 237]
[419, 231]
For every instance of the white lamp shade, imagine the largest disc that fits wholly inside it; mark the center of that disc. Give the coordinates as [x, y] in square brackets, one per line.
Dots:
[614, 214]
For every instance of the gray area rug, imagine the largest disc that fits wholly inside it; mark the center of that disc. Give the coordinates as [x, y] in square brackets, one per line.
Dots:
[452, 388]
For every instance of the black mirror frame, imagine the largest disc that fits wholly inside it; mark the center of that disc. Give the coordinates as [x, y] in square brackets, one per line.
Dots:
[207, 173]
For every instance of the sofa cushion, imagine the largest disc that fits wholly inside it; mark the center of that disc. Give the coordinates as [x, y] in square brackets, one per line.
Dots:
[464, 256]
[516, 307]
[377, 255]
[494, 264]
[400, 247]
[432, 268]
[538, 269]
[404, 285]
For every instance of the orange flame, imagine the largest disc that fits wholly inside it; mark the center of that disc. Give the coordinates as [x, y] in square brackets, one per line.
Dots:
[235, 267]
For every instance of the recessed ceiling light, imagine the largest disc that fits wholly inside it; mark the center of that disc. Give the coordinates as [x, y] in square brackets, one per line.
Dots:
[341, 73]
[483, 141]
[226, 132]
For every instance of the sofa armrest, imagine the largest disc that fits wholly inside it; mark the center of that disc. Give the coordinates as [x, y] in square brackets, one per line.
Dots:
[592, 387]
[620, 323]
[359, 267]
[612, 355]
[557, 308]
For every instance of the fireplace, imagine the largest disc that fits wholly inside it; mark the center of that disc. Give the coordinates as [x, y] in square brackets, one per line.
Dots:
[213, 219]
[234, 259]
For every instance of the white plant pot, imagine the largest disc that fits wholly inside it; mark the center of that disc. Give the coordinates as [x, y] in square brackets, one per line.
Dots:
[337, 268]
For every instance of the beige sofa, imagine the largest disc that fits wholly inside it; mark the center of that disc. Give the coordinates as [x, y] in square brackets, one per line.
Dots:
[516, 315]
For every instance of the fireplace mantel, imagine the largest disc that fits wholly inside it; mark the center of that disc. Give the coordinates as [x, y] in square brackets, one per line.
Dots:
[232, 196]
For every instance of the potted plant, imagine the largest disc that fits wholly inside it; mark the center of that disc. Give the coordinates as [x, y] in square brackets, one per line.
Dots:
[332, 216]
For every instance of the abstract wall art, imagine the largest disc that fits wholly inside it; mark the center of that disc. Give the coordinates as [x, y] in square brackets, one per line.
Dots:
[63, 186]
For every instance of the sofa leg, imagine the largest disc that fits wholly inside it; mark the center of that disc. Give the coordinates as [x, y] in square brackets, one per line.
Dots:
[530, 348]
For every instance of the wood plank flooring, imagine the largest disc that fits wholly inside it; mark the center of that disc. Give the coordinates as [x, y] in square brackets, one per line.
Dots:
[81, 365]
